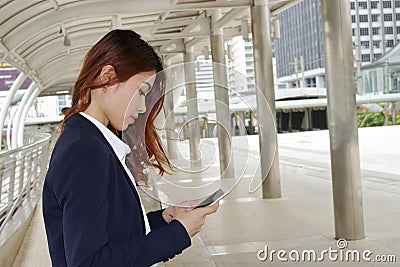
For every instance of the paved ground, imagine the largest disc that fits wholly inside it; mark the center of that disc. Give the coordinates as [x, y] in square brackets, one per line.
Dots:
[301, 220]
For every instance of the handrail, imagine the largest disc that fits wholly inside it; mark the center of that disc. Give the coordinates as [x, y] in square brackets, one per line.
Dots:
[45, 138]
[17, 202]
[21, 171]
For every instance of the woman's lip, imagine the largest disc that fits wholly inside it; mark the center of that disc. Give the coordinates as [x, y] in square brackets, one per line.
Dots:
[133, 119]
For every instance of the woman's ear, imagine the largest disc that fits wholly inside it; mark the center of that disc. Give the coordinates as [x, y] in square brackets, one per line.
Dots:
[107, 74]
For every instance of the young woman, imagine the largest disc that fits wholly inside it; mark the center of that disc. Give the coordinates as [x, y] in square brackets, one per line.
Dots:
[92, 210]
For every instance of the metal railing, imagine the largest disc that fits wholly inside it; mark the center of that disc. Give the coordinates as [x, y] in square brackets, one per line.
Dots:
[21, 173]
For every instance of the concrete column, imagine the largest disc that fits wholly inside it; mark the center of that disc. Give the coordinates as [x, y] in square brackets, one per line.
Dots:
[20, 138]
[310, 121]
[206, 133]
[192, 109]
[303, 80]
[251, 121]
[170, 119]
[14, 88]
[262, 47]
[320, 81]
[305, 125]
[342, 120]
[15, 127]
[221, 98]
[394, 113]
[290, 123]
[241, 123]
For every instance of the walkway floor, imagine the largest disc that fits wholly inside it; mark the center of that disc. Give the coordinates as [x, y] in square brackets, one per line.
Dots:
[301, 220]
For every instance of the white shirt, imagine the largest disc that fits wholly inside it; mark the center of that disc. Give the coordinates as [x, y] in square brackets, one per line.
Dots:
[121, 150]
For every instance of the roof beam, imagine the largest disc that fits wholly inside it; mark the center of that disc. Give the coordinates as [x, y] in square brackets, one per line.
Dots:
[284, 6]
[18, 61]
[171, 24]
[107, 8]
[162, 17]
[116, 22]
[234, 12]
[193, 41]
[55, 4]
[171, 47]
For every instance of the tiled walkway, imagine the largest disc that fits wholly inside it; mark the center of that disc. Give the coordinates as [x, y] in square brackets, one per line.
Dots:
[301, 220]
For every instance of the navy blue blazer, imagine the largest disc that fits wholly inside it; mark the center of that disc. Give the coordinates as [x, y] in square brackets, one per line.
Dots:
[92, 211]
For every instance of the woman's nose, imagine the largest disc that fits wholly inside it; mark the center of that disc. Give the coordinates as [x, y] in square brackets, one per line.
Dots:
[142, 104]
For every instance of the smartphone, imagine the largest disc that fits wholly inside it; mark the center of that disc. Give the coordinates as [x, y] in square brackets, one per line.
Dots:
[214, 197]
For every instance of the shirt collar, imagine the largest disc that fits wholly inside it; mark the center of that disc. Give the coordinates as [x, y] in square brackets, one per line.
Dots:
[120, 148]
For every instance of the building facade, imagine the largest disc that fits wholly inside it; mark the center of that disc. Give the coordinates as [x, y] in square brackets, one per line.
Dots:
[300, 52]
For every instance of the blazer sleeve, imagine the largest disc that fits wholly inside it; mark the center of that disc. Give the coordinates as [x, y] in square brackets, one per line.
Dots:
[82, 194]
[156, 219]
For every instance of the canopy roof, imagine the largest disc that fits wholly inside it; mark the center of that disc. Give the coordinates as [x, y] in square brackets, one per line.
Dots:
[34, 33]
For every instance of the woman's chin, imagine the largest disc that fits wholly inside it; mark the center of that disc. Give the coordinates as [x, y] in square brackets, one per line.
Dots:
[124, 127]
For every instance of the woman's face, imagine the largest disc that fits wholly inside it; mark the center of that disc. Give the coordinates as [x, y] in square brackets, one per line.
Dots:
[126, 101]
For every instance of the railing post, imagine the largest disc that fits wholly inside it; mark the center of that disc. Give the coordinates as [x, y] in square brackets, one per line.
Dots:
[22, 172]
[1, 178]
[11, 184]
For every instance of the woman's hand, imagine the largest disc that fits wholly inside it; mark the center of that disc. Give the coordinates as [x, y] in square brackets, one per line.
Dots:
[169, 213]
[194, 219]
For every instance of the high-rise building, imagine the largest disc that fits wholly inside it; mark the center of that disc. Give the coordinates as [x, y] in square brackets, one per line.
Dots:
[374, 25]
[300, 52]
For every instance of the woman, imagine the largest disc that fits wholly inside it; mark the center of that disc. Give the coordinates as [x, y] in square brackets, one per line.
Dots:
[92, 211]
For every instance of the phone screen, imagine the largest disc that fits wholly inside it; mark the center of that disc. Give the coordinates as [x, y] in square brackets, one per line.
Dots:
[212, 199]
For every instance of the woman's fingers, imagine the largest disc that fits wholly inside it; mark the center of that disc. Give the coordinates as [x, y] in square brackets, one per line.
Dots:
[209, 209]
[191, 203]
[169, 214]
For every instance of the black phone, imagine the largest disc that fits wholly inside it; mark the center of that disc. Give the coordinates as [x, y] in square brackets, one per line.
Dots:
[214, 197]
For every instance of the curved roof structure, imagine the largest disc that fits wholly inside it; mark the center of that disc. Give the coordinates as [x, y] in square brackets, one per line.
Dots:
[49, 38]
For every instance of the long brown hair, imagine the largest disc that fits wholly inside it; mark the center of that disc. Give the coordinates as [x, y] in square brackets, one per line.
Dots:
[129, 55]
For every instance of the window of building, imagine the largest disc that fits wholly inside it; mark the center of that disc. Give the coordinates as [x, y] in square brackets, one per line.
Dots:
[387, 17]
[352, 5]
[376, 44]
[376, 31]
[362, 5]
[398, 29]
[374, 4]
[365, 58]
[387, 4]
[397, 3]
[374, 17]
[388, 30]
[62, 102]
[363, 18]
[389, 43]
[376, 56]
[353, 32]
[364, 31]
[353, 18]
[364, 44]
